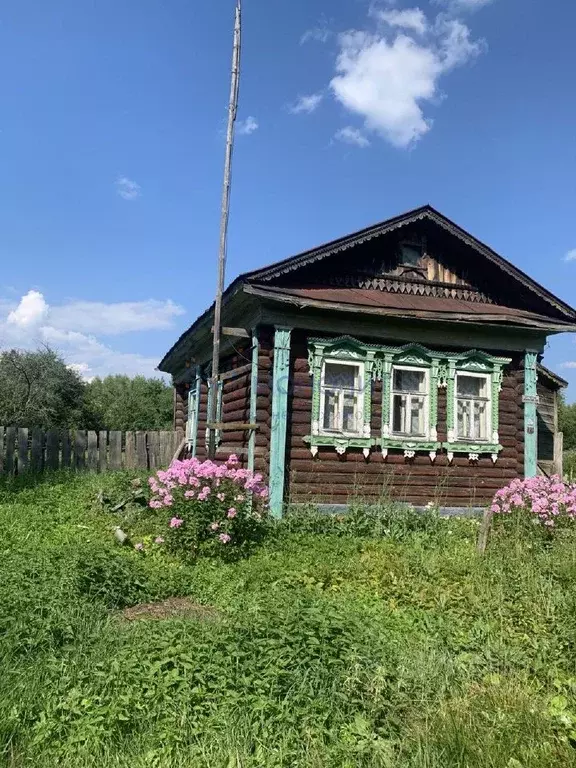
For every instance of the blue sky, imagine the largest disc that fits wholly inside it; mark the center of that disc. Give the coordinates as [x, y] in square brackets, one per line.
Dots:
[111, 148]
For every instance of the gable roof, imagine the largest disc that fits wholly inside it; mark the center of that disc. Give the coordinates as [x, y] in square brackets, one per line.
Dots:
[425, 212]
[265, 275]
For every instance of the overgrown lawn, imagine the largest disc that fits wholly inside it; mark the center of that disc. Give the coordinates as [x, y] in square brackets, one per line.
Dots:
[339, 646]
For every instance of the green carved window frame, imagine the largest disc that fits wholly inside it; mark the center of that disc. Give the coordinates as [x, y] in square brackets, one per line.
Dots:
[474, 363]
[379, 362]
[344, 350]
[410, 357]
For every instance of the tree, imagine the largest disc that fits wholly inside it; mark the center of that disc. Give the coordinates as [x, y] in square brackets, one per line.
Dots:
[37, 389]
[567, 424]
[120, 402]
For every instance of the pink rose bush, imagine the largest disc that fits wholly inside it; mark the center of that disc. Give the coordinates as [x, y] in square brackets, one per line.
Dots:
[549, 501]
[210, 508]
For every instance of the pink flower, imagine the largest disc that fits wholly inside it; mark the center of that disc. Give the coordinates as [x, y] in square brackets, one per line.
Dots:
[189, 494]
[214, 526]
[239, 498]
[232, 460]
[155, 504]
[158, 540]
[139, 546]
[176, 522]
[224, 538]
[232, 512]
[220, 496]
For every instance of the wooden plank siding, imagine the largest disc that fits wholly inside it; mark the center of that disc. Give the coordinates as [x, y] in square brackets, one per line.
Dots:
[547, 422]
[330, 478]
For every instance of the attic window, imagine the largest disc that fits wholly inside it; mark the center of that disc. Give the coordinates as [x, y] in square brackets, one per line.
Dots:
[410, 252]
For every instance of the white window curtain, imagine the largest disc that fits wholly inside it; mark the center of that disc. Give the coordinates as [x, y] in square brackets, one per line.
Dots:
[410, 402]
[342, 398]
[473, 407]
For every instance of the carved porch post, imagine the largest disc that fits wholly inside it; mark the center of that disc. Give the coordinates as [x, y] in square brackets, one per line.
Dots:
[281, 373]
[530, 401]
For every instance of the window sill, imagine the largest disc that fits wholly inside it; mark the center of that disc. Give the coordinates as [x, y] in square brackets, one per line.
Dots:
[474, 450]
[341, 443]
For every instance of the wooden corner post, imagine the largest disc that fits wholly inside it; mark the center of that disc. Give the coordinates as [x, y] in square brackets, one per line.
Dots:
[530, 401]
[281, 375]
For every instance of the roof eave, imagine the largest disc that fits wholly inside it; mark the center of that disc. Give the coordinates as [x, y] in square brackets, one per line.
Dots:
[497, 320]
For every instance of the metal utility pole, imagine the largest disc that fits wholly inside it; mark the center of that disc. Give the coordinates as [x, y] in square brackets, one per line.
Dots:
[232, 110]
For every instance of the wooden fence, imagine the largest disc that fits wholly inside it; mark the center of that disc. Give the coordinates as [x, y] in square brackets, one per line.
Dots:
[35, 450]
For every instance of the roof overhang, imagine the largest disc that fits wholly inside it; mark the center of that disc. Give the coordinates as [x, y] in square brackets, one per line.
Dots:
[527, 320]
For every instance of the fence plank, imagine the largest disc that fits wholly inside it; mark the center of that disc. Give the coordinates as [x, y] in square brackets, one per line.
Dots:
[66, 450]
[141, 452]
[115, 444]
[130, 451]
[103, 451]
[92, 451]
[154, 450]
[52, 449]
[165, 444]
[37, 451]
[9, 452]
[22, 450]
[80, 448]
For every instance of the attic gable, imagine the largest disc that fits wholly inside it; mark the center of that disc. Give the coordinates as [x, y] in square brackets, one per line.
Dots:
[420, 253]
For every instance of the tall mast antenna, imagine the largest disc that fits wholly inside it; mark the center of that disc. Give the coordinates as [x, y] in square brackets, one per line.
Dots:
[225, 214]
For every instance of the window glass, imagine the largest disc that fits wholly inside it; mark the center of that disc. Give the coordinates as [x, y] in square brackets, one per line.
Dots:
[472, 407]
[342, 376]
[471, 386]
[409, 403]
[409, 381]
[342, 398]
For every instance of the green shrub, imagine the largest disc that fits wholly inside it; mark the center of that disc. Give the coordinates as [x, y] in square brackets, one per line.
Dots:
[207, 508]
[396, 521]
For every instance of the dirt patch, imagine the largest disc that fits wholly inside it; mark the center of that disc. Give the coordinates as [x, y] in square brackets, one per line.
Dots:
[173, 608]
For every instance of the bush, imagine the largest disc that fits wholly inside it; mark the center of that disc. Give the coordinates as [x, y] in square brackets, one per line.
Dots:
[570, 466]
[549, 501]
[372, 521]
[214, 509]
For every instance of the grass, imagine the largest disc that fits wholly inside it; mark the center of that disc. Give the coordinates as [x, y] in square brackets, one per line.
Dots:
[361, 643]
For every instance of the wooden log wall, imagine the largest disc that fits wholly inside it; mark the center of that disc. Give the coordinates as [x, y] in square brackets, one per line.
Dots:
[181, 406]
[330, 478]
[236, 405]
[25, 450]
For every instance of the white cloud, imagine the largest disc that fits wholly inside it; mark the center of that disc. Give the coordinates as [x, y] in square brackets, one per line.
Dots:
[463, 5]
[248, 126]
[30, 311]
[319, 34]
[72, 329]
[306, 104]
[351, 135]
[387, 75]
[411, 18]
[127, 188]
[571, 364]
[571, 255]
[113, 319]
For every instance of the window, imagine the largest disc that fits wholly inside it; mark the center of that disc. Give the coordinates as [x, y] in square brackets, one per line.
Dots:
[410, 254]
[410, 404]
[472, 406]
[342, 398]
